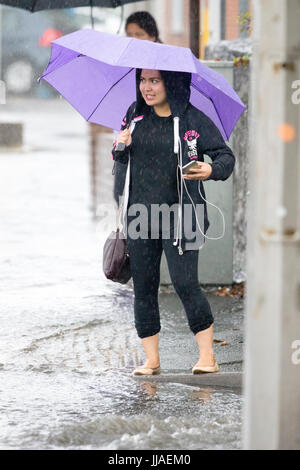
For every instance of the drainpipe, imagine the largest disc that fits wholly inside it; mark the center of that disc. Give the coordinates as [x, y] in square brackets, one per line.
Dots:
[0, 42]
[2, 84]
[195, 27]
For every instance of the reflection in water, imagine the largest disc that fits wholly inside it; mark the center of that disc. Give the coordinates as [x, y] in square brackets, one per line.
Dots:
[149, 387]
[66, 410]
[203, 394]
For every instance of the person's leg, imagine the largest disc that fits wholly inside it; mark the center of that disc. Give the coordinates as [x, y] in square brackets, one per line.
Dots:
[184, 275]
[145, 257]
[150, 345]
[204, 340]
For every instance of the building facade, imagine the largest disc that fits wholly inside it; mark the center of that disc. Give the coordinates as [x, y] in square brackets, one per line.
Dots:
[218, 19]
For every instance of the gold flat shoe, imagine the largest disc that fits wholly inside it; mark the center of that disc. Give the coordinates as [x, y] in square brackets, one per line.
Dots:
[141, 370]
[205, 369]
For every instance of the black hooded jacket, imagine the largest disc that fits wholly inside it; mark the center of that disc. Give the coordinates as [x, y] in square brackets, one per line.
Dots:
[198, 136]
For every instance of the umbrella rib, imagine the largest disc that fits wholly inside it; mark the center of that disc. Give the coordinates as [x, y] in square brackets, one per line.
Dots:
[62, 65]
[203, 93]
[127, 73]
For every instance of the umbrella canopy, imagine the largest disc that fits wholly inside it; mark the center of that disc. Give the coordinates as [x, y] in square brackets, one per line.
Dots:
[37, 5]
[95, 72]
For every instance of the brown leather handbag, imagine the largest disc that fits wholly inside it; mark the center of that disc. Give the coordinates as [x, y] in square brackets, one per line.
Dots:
[116, 262]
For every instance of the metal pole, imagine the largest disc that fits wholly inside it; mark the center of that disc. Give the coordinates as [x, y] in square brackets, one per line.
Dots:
[272, 351]
[195, 27]
[0, 42]
[2, 84]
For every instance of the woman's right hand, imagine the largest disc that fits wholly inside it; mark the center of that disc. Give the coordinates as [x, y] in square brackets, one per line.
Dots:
[124, 137]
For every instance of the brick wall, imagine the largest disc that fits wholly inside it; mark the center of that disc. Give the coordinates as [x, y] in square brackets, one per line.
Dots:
[170, 37]
[233, 9]
[232, 13]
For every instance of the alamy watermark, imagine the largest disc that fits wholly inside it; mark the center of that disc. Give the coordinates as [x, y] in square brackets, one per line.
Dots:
[295, 358]
[155, 221]
[296, 94]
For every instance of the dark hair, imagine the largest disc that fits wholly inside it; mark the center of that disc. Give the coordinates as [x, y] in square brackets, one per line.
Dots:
[178, 90]
[146, 22]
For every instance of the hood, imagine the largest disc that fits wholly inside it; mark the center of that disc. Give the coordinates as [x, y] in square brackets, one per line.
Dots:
[178, 91]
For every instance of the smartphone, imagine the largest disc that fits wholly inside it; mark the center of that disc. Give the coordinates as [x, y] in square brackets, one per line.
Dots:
[186, 168]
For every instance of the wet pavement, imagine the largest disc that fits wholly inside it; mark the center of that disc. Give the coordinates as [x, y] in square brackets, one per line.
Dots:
[68, 344]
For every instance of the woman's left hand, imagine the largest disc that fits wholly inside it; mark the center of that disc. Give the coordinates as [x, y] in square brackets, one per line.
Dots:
[201, 173]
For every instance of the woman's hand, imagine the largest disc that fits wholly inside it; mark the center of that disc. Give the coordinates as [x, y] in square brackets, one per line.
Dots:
[201, 173]
[124, 137]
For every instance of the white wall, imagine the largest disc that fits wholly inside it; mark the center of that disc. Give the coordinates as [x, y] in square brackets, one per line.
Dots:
[214, 21]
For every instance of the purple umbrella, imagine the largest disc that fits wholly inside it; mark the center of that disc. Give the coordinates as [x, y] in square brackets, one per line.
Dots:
[95, 72]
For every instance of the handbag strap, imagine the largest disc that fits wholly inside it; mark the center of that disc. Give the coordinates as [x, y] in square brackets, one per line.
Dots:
[120, 212]
[125, 196]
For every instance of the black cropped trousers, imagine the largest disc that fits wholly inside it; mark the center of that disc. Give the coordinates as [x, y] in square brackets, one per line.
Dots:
[145, 258]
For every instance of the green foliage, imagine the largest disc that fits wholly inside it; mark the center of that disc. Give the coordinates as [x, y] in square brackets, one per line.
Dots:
[244, 60]
[245, 22]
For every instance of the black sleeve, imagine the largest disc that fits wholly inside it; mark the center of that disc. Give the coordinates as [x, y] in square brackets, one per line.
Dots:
[213, 145]
[122, 157]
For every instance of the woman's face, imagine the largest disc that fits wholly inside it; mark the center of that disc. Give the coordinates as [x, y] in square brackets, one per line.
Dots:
[152, 88]
[134, 31]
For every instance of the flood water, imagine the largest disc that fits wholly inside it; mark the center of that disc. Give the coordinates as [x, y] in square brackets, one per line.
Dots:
[68, 344]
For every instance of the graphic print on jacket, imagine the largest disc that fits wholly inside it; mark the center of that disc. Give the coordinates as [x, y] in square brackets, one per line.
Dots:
[191, 139]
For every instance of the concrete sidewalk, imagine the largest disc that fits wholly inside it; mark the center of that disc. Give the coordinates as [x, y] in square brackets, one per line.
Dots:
[224, 380]
[178, 349]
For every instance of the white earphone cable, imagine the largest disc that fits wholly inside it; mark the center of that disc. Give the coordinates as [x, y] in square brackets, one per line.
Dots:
[197, 221]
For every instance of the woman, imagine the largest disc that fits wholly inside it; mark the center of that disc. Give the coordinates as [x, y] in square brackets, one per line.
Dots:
[169, 133]
[139, 25]
[142, 25]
